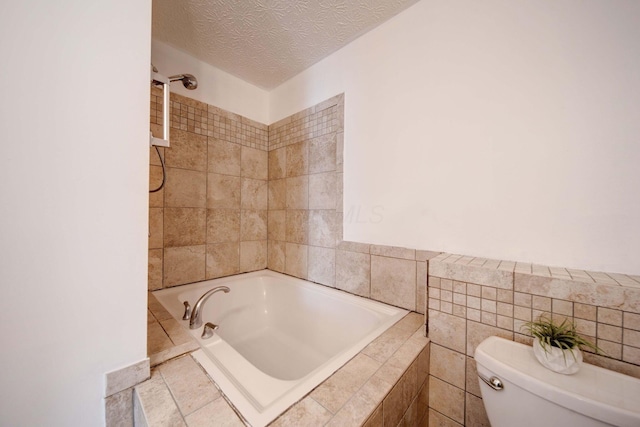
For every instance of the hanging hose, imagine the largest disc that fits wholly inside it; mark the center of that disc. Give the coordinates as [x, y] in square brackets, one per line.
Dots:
[164, 173]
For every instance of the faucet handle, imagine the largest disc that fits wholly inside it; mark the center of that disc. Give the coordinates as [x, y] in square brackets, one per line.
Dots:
[207, 331]
[187, 311]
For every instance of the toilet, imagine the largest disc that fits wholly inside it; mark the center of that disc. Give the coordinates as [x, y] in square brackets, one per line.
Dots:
[518, 391]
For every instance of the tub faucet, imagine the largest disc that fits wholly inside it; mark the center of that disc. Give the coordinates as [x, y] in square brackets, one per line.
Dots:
[196, 315]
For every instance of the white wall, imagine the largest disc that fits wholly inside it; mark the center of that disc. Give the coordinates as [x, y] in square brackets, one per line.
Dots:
[498, 129]
[73, 184]
[215, 87]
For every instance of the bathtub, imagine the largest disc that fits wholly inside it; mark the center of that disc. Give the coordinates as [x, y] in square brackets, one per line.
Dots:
[278, 338]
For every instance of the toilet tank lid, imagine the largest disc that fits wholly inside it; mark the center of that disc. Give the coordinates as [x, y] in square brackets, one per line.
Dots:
[593, 391]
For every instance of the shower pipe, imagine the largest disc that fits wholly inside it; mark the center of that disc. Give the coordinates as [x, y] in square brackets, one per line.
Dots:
[189, 82]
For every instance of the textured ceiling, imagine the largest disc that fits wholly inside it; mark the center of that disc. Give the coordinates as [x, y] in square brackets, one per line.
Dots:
[266, 42]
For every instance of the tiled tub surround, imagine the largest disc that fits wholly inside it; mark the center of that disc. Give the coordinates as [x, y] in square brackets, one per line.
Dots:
[241, 196]
[385, 384]
[470, 299]
[210, 219]
[279, 336]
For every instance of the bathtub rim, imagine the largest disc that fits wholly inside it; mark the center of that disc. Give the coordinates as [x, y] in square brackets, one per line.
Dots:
[236, 396]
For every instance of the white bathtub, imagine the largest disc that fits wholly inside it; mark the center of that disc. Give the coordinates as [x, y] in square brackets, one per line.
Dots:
[279, 336]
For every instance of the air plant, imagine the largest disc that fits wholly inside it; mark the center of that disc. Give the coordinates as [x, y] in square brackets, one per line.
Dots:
[562, 336]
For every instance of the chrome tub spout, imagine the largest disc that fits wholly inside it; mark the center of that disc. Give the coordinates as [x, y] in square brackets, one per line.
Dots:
[196, 314]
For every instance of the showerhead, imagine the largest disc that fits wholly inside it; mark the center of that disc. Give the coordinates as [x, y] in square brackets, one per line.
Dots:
[188, 80]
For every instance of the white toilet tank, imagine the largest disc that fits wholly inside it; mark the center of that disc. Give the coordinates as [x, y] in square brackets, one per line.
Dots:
[532, 396]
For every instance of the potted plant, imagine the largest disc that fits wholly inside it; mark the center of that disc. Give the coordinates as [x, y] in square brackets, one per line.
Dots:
[557, 347]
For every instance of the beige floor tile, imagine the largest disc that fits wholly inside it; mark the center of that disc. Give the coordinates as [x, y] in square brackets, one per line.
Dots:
[217, 413]
[189, 385]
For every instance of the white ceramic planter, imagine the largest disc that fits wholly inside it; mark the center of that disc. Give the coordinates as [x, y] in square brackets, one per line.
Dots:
[562, 361]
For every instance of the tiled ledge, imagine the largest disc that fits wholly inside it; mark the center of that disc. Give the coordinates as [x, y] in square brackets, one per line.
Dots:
[386, 382]
[166, 338]
[470, 299]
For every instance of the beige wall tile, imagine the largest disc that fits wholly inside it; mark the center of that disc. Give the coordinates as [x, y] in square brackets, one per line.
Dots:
[609, 316]
[297, 226]
[477, 332]
[611, 349]
[322, 228]
[340, 151]
[185, 226]
[322, 191]
[222, 259]
[156, 216]
[609, 333]
[631, 354]
[254, 163]
[505, 296]
[276, 256]
[223, 225]
[353, 247]
[393, 252]
[394, 281]
[119, 409]
[185, 188]
[446, 399]
[447, 330]
[157, 338]
[276, 225]
[254, 194]
[184, 264]
[475, 414]
[297, 159]
[156, 200]
[397, 401]
[604, 295]
[253, 256]
[471, 274]
[154, 275]
[322, 265]
[375, 419]
[614, 365]
[563, 307]
[296, 260]
[127, 377]
[223, 191]
[472, 385]
[421, 287]
[253, 225]
[631, 321]
[353, 272]
[583, 311]
[340, 192]
[223, 157]
[436, 419]
[277, 163]
[187, 151]
[322, 154]
[297, 192]
[448, 365]
[277, 194]
[153, 154]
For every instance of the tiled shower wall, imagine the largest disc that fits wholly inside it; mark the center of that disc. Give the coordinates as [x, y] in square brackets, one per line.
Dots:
[470, 299]
[306, 214]
[305, 192]
[242, 196]
[210, 219]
